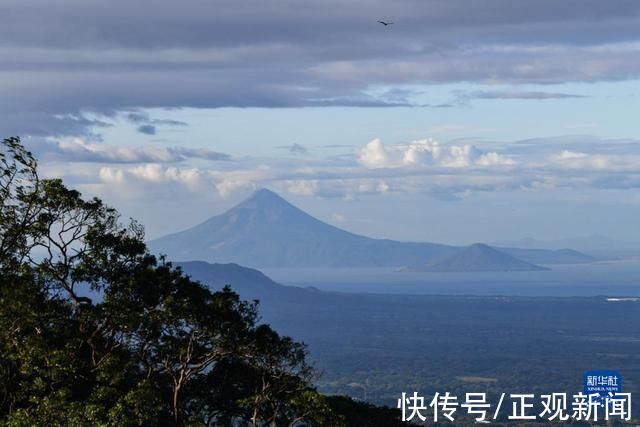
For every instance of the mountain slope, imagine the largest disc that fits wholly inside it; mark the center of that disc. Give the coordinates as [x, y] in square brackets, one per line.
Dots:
[477, 258]
[267, 231]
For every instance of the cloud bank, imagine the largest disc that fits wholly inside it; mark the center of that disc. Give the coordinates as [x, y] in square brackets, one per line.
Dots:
[427, 152]
[445, 171]
[79, 150]
[73, 58]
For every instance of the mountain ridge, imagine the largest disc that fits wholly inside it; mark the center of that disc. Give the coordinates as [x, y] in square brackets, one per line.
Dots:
[267, 231]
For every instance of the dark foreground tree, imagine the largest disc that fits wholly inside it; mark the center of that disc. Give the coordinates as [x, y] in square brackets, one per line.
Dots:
[96, 331]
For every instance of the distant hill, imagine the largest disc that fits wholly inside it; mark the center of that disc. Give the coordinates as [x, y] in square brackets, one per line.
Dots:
[267, 231]
[252, 284]
[476, 258]
[594, 242]
[601, 247]
[246, 281]
[549, 256]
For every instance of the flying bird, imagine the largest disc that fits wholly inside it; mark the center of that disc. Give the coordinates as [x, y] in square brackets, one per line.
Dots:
[385, 23]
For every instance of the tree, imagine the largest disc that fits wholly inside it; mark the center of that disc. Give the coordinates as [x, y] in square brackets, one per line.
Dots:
[96, 330]
[19, 186]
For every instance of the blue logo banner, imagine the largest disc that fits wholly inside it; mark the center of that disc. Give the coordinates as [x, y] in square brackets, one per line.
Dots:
[602, 382]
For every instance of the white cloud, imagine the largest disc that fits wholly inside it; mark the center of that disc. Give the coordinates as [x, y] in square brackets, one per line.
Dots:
[427, 152]
[111, 176]
[302, 187]
[76, 149]
[446, 171]
[138, 179]
[494, 159]
[227, 187]
[596, 162]
[79, 150]
[374, 186]
[570, 155]
[374, 155]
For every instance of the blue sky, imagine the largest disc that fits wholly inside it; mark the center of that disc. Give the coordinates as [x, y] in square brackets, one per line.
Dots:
[607, 109]
[464, 121]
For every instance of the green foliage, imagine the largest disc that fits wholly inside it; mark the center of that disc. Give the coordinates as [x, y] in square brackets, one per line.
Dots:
[96, 331]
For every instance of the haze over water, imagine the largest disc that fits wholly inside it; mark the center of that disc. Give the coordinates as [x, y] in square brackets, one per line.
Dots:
[613, 278]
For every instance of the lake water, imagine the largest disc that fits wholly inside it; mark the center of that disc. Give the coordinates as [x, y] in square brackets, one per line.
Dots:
[616, 278]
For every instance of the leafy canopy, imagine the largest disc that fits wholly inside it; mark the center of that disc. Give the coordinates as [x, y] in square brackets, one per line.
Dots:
[94, 330]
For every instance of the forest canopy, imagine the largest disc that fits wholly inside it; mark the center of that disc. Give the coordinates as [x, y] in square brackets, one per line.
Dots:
[95, 330]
